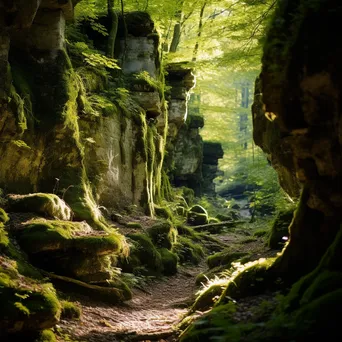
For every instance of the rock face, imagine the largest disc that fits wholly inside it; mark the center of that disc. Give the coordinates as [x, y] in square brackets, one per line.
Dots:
[297, 121]
[212, 152]
[192, 163]
[70, 131]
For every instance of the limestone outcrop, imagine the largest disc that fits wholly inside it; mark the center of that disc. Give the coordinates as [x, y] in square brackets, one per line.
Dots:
[297, 122]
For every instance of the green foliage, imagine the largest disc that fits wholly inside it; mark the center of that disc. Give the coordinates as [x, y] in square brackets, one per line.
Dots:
[3, 216]
[98, 60]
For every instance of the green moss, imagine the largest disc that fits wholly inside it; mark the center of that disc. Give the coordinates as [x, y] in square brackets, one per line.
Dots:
[196, 219]
[163, 212]
[4, 241]
[43, 236]
[70, 310]
[186, 231]
[213, 220]
[252, 279]
[324, 283]
[207, 298]
[133, 225]
[261, 233]
[188, 195]
[40, 203]
[280, 228]
[163, 235]
[144, 253]
[198, 209]
[214, 272]
[3, 216]
[248, 240]
[225, 257]
[26, 304]
[213, 325]
[188, 251]
[94, 79]
[46, 336]
[169, 261]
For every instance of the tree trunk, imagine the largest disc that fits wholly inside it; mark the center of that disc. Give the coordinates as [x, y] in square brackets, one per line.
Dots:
[175, 38]
[114, 28]
[199, 34]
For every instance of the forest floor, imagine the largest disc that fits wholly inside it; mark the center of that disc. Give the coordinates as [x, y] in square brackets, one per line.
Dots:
[159, 304]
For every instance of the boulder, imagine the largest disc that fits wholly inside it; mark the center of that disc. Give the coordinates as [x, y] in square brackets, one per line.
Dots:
[48, 205]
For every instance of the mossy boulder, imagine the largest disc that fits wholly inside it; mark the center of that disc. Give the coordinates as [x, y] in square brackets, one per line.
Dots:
[187, 250]
[252, 279]
[163, 212]
[163, 234]
[207, 298]
[169, 261]
[225, 258]
[47, 235]
[143, 254]
[70, 310]
[197, 216]
[280, 228]
[46, 336]
[26, 304]
[71, 249]
[48, 205]
[3, 216]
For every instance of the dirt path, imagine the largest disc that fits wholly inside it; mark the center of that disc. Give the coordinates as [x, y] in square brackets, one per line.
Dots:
[152, 312]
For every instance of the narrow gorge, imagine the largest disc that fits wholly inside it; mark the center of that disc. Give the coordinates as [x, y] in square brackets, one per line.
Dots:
[138, 143]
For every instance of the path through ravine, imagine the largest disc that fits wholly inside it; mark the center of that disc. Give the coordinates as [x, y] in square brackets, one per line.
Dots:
[151, 313]
[154, 310]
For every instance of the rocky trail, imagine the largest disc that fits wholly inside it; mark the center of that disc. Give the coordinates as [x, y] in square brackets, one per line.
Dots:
[157, 306]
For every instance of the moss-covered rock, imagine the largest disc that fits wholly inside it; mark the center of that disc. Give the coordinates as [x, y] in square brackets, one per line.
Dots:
[187, 250]
[163, 234]
[48, 205]
[43, 236]
[70, 310]
[136, 225]
[207, 298]
[163, 212]
[143, 254]
[225, 258]
[280, 228]
[251, 279]
[26, 304]
[169, 261]
[46, 336]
